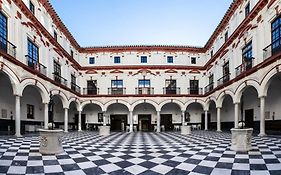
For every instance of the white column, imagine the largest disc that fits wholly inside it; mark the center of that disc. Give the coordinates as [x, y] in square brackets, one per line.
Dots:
[206, 120]
[103, 119]
[17, 117]
[131, 121]
[262, 117]
[219, 119]
[158, 121]
[46, 115]
[65, 119]
[183, 117]
[236, 115]
[79, 121]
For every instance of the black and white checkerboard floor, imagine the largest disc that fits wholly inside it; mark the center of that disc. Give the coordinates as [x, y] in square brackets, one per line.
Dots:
[141, 153]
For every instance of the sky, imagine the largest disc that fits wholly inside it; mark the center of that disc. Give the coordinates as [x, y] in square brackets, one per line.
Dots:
[141, 22]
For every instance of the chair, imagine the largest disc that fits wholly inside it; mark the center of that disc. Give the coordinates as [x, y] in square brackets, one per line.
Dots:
[162, 127]
[194, 127]
[155, 128]
[128, 128]
[199, 126]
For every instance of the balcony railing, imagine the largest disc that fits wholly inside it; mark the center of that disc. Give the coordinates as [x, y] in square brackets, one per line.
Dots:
[60, 79]
[75, 87]
[90, 91]
[244, 67]
[7, 47]
[35, 65]
[116, 91]
[209, 87]
[144, 90]
[272, 49]
[224, 79]
[195, 91]
[169, 90]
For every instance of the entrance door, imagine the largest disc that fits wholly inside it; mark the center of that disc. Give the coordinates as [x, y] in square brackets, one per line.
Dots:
[249, 118]
[166, 121]
[83, 121]
[144, 122]
[203, 121]
[118, 122]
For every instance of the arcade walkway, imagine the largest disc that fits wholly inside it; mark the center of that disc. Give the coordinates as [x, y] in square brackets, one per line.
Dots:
[203, 152]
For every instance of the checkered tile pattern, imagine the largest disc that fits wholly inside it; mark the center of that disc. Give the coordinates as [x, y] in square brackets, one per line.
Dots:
[203, 152]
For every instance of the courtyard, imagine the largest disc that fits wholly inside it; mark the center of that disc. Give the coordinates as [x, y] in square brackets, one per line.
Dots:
[202, 152]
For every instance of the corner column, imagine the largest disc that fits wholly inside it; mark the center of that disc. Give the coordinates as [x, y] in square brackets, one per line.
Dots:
[17, 117]
[103, 118]
[158, 121]
[79, 121]
[65, 119]
[236, 115]
[131, 122]
[183, 117]
[46, 115]
[219, 119]
[206, 120]
[262, 117]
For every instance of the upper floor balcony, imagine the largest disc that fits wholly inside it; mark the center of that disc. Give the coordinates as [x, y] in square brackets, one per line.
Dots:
[35, 65]
[247, 65]
[271, 50]
[7, 47]
[195, 91]
[224, 79]
[209, 87]
[91, 91]
[60, 79]
[116, 91]
[171, 90]
[144, 91]
[75, 87]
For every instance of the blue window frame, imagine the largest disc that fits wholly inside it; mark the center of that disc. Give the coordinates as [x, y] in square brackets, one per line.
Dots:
[3, 31]
[117, 60]
[247, 9]
[144, 83]
[116, 83]
[92, 60]
[170, 59]
[143, 59]
[31, 7]
[276, 33]
[33, 51]
[248, 52]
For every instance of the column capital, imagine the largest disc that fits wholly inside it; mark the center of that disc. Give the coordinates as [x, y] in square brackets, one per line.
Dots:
[66, 108]
[219, 107]
[263, 96]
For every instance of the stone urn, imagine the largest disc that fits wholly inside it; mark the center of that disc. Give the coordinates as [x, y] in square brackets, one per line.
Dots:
[185, 130]
[241, 139]
[50, 141]
[104, 130]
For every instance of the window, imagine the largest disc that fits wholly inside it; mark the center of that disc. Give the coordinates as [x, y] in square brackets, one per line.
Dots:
[31, 7]
[194, 86]
[117, 60]
[73, 83]
[226, 69]
[211, 79]
[30, 111]
[143, 59]
[92, 87]
[117, 87]
[57, 72]
[72, 53]
[193, 60]
[3, 32]
[171, 86]
[55, 35]
[226, 36]
[212, 53]
[144, 83]
[170, 59]
[275, 35]
[247, 9]
[117, 83]
[247, 55]
[92, 60]
[33, 54]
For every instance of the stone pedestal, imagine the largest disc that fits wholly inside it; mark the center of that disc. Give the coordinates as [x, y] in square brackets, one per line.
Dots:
[241, 139]
[185, 130]
[50, 141]
[104, 130]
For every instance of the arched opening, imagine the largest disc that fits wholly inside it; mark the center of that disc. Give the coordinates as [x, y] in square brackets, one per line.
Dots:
[7, 105]
[144, 117]
[32, 109]
[117, 115]
[72, 113]
[94, 116]
[58, 113]
[272, 106]
[213, 115]
[170, 116]
[227, 113]
[195, 116]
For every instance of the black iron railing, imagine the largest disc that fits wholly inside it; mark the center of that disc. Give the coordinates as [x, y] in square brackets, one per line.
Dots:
[195, 91]
[272, 49]
[116, 91]
[90, 91]
[60, 79]
[144, 90]
[35, 65]
[243, 67]
[171, 90]
[209, 87]
[75, 87]
[224, 79]
[7, 47]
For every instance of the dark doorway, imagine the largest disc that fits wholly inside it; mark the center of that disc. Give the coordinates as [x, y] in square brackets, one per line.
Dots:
[166, 121]
[118, 122]
[144, 122]
[203, 121]
[249, 118]
[83, 121]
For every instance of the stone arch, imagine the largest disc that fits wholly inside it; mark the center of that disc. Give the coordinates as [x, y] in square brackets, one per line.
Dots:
[76, 102]
[201, 102]
[177, 102]
[240, 89]
[38, 85]
[85, 103]
[62, 97]
[208, 102]
[15, 81]
[265, 83]
[117, 101]
[222, 95]
[136, 103]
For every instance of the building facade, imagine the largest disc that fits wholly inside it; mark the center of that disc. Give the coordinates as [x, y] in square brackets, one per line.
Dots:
[234, 77]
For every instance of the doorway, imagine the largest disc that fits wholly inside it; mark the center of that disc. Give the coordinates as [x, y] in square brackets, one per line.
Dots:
[203, 121]
[166, 121]
[118, 122]
[144, 122]
[249, 118]
[83, 121]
